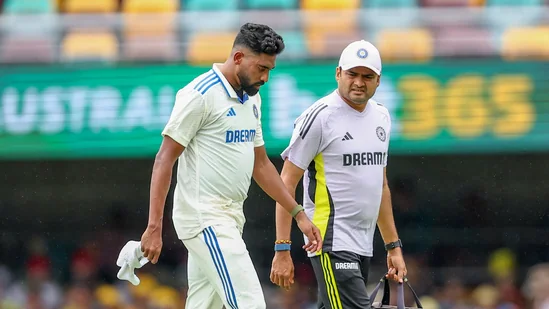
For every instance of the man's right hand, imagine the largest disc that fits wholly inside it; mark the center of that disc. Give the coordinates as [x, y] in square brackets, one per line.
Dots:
[311, 231]
[282, 269]
[151, 243]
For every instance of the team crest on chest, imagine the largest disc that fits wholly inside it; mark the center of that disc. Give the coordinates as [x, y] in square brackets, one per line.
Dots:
[381, 134]
[256, 112]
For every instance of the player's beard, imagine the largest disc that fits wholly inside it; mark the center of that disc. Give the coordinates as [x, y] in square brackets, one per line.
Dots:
[250, 88]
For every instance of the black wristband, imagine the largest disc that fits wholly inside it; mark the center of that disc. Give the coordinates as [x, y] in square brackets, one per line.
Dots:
[392, 245]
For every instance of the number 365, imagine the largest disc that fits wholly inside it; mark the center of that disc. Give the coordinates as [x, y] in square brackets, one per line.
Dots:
[468, 106]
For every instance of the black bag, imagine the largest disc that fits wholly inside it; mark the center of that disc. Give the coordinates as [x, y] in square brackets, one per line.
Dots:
[387, 294]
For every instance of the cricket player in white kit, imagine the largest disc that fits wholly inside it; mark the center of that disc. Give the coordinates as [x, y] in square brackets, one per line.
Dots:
[215, 132]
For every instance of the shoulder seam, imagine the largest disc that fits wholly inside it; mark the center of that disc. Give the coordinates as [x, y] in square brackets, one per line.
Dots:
[383, 110]
[310, 118]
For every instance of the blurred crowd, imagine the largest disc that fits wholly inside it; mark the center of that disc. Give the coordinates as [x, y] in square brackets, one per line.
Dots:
[90, 283]
[52, 271]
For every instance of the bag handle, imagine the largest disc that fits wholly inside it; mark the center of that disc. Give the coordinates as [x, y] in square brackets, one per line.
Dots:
[400, 293]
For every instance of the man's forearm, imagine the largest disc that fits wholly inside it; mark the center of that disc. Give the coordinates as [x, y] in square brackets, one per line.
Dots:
[160, 185]
[283, 218]
[268, 179]
[386, 221]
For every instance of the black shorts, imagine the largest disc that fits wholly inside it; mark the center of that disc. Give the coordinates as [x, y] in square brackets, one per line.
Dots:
[342, 277]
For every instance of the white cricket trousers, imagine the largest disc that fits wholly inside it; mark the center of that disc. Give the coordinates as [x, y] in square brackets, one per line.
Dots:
[220, 271]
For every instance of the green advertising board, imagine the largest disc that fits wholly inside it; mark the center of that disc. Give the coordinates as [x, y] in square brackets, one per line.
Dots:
[440, 107]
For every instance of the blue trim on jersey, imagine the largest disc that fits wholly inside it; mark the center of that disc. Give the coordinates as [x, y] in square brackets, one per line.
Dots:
[209, 238]
[205, 79]
[207, 82]
[245, 98]
[226, 90]
[242, 100]
[215, 82]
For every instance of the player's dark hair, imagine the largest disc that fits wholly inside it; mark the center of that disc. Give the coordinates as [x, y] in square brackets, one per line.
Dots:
[261, 39]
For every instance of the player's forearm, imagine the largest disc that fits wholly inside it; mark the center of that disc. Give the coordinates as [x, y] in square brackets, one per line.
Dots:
[283, 223]
[283, 218]
[160, 185]
[268, 179]
[385, 220]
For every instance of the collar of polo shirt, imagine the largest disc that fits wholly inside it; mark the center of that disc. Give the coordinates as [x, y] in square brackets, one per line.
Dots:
[228, 88]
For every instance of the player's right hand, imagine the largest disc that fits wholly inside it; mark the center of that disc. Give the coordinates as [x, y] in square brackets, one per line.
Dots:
[282, 270]
[151, 244]
[311, 231]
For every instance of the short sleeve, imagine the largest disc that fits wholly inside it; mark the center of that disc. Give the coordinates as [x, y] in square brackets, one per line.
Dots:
[306, 141]
[187, 117]
[258, 141]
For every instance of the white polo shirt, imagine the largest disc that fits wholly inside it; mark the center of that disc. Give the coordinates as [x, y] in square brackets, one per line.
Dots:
[219, 131]
[343, 153]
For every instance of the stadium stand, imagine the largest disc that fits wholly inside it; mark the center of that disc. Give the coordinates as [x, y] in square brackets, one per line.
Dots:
[210, 5]
[514, 3]
[526, 43]
[448, 3]
[150, 6]
[29, 38]
[272, 4]
[149, 31]
[160, 48]
[16, 49]
[29, 7]
[330, 5]
[454, 41]
[208, 47]
[92, 45]
[170, 30]
[148, 37]
[296, 48]
[410, 44]
[389, 3]
[85, 6]
[321, 27]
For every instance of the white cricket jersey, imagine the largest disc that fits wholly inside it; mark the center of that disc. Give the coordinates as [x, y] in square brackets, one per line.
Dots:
[343, 153]
[219, 131]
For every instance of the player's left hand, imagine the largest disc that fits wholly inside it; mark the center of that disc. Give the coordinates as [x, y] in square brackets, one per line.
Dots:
[395, 264]
[311, 231]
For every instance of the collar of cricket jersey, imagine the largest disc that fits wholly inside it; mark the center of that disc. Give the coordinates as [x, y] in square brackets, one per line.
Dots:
[347, 107]
[228, 88]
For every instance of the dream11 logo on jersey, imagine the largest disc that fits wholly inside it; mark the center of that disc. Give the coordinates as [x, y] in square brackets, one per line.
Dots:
[240, 136]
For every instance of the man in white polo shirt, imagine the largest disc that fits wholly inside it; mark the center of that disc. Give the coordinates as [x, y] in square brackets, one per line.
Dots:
[215, 132]
[341, 145]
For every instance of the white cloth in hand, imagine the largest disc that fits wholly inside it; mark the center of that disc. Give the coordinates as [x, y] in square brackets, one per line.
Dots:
[130, 258]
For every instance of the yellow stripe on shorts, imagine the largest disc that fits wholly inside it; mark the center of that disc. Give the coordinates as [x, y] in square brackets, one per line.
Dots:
[331, 285]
